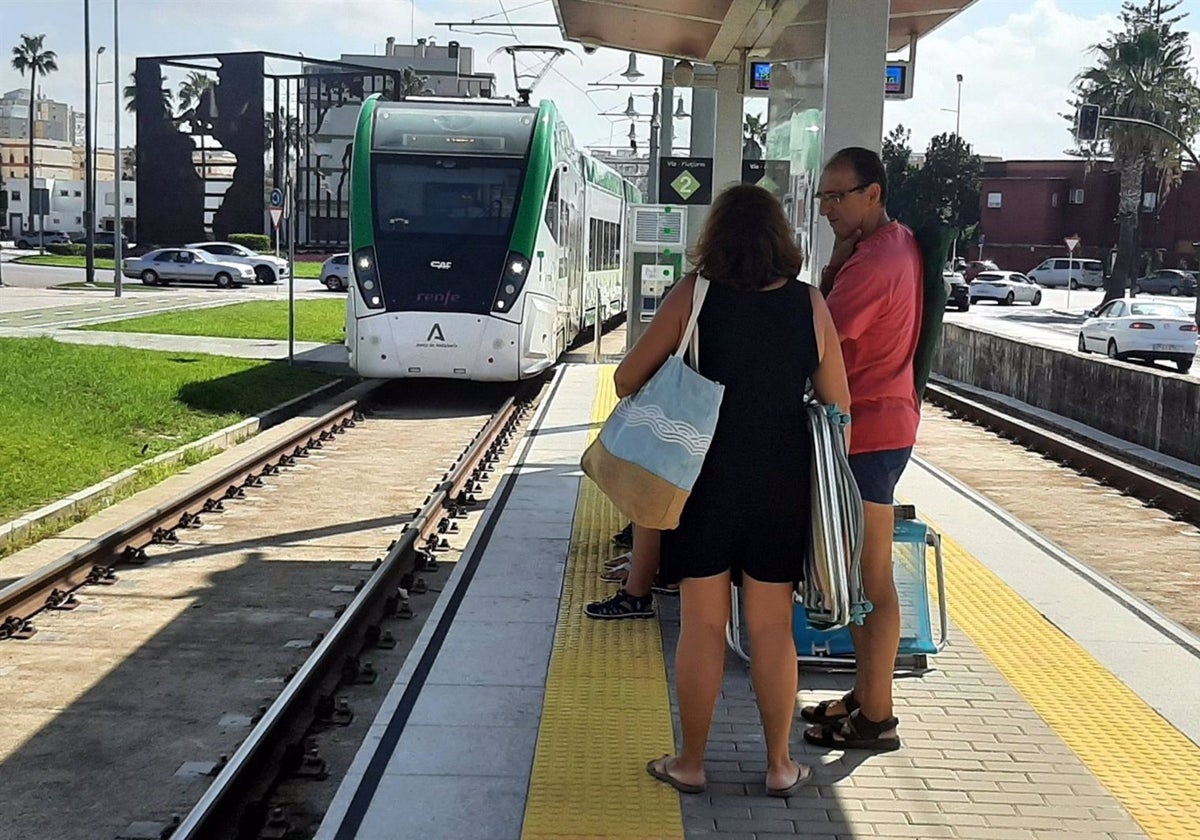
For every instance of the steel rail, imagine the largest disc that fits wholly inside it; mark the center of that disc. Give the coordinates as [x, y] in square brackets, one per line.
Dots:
[235, 805]
[1176, 499]
[53, 586]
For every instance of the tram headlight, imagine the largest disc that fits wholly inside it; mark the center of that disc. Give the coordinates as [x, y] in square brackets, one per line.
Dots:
[366, 274]
[516, 268]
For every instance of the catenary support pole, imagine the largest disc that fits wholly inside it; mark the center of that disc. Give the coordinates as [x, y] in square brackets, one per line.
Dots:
[117, 249]
[89, 227]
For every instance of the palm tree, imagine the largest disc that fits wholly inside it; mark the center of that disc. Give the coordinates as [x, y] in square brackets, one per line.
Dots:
[29, 55]
[413, 84]
[1144, 73]
[130, 92]
[191, 88]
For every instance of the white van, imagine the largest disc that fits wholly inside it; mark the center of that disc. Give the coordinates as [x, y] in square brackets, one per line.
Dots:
[1086, 274]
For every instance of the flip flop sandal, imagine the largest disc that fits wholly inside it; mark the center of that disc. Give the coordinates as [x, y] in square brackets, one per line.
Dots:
[663, 775]
[855, 732]
[618, 574]
[819, 714]
[803, 776]
[620, 560]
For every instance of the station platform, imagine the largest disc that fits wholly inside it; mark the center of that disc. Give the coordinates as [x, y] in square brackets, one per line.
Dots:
[1062, 706]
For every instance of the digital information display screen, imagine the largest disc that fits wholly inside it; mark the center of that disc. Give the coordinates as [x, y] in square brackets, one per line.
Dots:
[760, 75]
[897, 83]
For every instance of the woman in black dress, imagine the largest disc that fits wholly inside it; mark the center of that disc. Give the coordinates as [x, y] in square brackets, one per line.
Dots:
[764, 336]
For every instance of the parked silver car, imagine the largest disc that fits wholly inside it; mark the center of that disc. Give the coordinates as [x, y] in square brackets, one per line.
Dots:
[1166, 281]
[335, 272]
[28, 240]
[169, 265]
[267, 269]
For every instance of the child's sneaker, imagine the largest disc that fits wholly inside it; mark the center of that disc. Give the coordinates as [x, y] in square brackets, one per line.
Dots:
[621, 605]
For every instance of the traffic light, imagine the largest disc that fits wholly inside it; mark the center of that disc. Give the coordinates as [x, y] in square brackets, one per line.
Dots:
[1087, 123]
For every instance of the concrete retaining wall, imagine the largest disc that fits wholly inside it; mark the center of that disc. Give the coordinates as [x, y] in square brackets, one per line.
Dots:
[1155, 409]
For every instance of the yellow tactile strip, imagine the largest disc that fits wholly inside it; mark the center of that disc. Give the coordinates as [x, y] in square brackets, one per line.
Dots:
[1150, 767]
[608, 708]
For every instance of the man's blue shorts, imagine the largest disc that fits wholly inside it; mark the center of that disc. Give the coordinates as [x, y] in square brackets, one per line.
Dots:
[877, 473]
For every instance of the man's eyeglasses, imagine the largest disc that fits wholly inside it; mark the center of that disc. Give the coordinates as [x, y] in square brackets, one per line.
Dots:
[835, 197]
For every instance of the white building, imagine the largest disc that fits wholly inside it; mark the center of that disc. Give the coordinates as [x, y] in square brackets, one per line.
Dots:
[449, 70]
[66, 205]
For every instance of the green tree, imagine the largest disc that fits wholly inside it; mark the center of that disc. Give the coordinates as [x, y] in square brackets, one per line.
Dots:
[897, 160]
[946, 187]
[130, 93]
[30, 56]
[1142, 72]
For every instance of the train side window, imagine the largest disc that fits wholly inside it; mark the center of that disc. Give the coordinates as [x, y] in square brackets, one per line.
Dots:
[594, 244]
[552, 208]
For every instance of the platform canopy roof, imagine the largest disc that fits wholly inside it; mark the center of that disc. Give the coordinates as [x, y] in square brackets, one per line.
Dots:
[713, 31]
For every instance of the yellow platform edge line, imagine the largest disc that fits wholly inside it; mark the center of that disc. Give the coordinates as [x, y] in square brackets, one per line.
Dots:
[1150, 767]
[607, 709]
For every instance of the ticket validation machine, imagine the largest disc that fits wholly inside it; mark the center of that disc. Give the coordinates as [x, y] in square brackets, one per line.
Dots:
[655, 245]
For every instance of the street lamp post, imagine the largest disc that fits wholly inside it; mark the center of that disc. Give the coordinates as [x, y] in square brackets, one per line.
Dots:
[90, 118]
[94, 162]
[958, 108]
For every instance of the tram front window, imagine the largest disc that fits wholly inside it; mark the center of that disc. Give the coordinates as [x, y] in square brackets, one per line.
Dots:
[442, 228]
[448, 196]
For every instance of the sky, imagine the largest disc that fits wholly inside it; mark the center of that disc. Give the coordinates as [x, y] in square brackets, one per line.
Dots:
[1017, 57]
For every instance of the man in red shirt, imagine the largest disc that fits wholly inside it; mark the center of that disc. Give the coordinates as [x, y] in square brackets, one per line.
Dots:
[874, 288]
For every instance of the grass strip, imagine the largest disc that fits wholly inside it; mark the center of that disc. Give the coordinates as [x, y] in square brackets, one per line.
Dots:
[316, 320]
[153, 474]
[71, 415]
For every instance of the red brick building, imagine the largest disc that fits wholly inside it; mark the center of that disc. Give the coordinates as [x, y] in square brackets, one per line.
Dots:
[1027, 208]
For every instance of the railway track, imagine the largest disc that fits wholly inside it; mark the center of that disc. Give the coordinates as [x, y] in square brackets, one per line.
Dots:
[95, 564]
[1105, 519]
[1177, 499]
[224, 597]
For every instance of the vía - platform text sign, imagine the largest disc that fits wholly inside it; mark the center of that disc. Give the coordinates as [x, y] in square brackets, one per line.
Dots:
[685, 180]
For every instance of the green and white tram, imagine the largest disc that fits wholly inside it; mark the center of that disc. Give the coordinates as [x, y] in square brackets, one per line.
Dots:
[482, 239]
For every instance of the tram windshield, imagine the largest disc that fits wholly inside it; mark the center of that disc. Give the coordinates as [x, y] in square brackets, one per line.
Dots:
[461, 196]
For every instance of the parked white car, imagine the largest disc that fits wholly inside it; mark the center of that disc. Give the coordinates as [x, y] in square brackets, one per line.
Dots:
[335, 272]
[1148, 331]
[168, 265]
[267, 269]
[1074, 274]
[1005, 287]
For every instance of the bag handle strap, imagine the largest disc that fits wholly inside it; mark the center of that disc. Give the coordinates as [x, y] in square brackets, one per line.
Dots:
[698, 293]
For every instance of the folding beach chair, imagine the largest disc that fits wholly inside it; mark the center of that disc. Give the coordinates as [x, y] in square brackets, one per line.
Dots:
[912, 543]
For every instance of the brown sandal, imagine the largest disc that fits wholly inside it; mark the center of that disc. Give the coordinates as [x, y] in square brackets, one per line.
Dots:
[663, 774]
[856, 732]
[819, 714]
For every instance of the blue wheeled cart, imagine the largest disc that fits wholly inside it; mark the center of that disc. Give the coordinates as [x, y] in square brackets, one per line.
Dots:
[912, 544]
